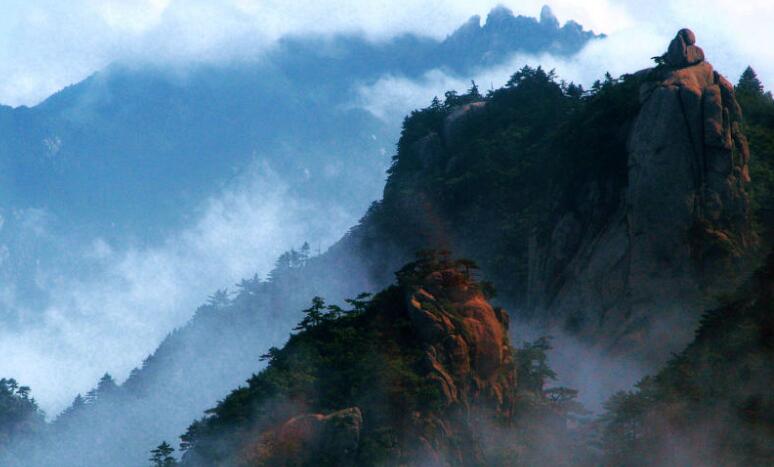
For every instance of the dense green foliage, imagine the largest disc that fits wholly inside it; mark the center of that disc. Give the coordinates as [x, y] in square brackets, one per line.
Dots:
[365, 356]
[758, 109]
[510, 161]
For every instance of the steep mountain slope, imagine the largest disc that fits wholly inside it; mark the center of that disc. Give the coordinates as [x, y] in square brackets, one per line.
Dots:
[633, 229]
[136, 158]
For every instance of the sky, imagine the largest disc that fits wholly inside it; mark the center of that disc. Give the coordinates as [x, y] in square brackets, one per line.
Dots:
[144, 293]
[48, 44]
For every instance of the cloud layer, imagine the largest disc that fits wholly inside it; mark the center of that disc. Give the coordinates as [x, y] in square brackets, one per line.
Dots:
[731, 41]
[47, 44]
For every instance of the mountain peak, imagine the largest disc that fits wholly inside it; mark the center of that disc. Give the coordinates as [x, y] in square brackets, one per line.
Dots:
[548, 18]
[498, 14]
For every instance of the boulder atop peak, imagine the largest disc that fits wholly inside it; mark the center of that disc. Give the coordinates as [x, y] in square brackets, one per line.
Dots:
[683, 51]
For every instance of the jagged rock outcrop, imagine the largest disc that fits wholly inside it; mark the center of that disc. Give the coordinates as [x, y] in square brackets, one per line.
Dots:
[466, 339]
[683, 50]
[548, 18]
[468, 357]
[682, 225]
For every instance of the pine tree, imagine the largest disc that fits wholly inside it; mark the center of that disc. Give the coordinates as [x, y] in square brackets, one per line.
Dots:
[78, 402]
[749, 83]
[249, 287]
[313, 315]
[305, 253]
[106, 384]
[532, 365]
[473, 92]
[106, 387]
[67, 414]
[19, 413]
[359, 304]
[162, 455]
[219, 299]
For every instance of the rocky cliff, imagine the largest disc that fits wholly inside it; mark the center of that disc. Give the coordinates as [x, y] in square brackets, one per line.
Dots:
[681, 226]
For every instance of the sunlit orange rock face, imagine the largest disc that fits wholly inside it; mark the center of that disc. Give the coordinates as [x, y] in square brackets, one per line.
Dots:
[467, 355]
[466, 340]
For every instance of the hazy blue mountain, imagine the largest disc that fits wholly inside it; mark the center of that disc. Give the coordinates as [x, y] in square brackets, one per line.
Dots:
[130, 153]
[101, 152]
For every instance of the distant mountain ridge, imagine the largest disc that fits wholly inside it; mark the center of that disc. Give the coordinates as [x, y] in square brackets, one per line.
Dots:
[102, 150]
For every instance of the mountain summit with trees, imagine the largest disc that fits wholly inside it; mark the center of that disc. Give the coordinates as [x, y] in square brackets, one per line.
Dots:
[413, 377]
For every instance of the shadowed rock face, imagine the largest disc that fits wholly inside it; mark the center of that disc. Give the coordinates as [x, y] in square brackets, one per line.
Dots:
[683, 224]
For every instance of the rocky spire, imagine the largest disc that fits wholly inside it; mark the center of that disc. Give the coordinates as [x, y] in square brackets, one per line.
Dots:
[684, 227]
[687, 196]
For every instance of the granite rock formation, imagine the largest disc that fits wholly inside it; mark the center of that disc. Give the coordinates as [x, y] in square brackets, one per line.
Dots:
[683, 50]
[681, 228]
[468, 357]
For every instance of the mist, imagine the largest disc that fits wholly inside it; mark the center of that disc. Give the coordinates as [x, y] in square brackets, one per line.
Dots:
[625, 50]
[186, 31]
[109, 319]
